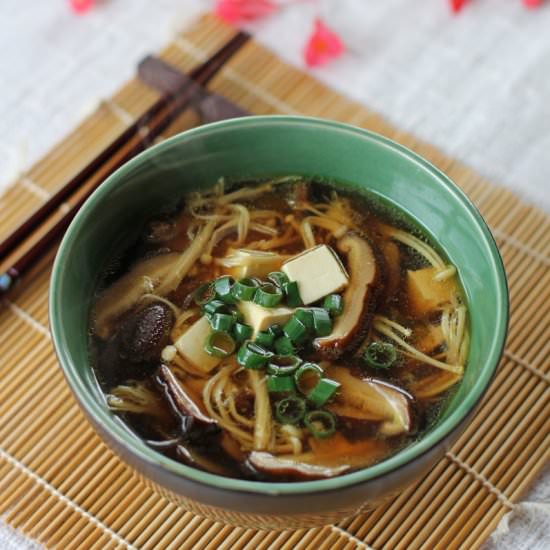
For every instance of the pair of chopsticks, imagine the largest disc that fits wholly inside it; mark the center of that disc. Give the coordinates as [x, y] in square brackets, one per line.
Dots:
[132, 141]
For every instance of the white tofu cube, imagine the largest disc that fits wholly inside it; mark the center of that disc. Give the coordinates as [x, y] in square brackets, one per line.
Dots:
[191, 346]
[261, 318]
[318, 272]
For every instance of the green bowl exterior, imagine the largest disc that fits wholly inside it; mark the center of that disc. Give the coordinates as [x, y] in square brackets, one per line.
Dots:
[258, 147]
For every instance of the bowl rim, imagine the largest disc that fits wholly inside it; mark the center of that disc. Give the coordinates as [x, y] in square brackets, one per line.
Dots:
[409, 454]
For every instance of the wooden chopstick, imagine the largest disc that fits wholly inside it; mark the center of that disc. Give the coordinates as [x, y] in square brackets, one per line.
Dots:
[201, 75]
[131, 142]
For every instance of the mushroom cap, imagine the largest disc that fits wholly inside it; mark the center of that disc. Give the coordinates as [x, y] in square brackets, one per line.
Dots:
[372, 400]
[180, 400]
[358, 297]
[287, 466]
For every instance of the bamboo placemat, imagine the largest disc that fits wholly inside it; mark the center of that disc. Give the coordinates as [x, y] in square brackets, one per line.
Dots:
[60, 484]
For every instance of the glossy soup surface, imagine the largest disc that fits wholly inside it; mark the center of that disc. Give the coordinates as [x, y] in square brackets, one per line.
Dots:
[279, 331]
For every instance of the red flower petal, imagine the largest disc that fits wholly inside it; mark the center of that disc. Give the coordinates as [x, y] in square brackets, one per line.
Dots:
[239, 11]
[322, 46]
[532, 3]
[457, 5]
[81, 6]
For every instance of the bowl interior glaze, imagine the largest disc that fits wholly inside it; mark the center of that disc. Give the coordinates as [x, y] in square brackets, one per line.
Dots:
[257, 147]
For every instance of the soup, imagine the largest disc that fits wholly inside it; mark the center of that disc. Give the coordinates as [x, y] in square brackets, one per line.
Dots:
[279, 331]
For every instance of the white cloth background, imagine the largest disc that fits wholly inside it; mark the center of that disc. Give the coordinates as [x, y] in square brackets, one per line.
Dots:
[476, 85]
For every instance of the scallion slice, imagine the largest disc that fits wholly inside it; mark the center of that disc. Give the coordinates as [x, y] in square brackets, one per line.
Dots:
[322, 322]
[215, 306]
[283, 365]
[380, 355]
[265, 339]
[245, 289]
[280, 384]
[307, 377]
[222, 321]
[219, 344]
[306, 316]
[242, 332]
[204, 294]
[290, 410]
[278, 278]
[223, 286]
[276, 330]
[295, 330]
[321, 424]
[237, 316]
[285, 346]
[323, 391]
[252, 356]
[292, 294]
[334, 304]
[268, 295]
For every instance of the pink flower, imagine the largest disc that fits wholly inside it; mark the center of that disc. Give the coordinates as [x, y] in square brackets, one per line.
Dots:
[322, 46]
[81, 6]
[457, 5]
[532, 3]
[241, 11]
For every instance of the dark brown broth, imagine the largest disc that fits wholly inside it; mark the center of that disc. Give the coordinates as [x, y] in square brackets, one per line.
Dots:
[111, 369]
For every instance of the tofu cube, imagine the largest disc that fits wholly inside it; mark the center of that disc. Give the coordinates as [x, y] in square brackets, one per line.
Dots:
[426, 295]
[261, 318]
[318, 272]
[191, 346]
[254, 263]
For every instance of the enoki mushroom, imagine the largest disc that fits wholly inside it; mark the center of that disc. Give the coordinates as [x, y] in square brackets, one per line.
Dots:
[386, 327]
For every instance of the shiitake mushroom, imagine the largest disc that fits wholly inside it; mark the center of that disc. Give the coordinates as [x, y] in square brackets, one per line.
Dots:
[179, 399]
[359, 297]
[134, 350]
[144, 334]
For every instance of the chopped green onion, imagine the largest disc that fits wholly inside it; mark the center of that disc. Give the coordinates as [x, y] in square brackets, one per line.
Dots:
[323, 391]
[278, 278]
[276, 330]
[215, 306]
[306, 316]
[268, 295]
[321, 424]
[221, 322]
[280, 384]
[252, 356]
[334, 304]
[219, 344]
[321, 321]
[295, 330]
[242, 332]
[292, 294]
[204, 294]
[290, 410]
[380, 355]
[308, 376]
[283, 365]
[237, 316]
[223, 286]
[245, 289]
[265, 339]
[285, 346]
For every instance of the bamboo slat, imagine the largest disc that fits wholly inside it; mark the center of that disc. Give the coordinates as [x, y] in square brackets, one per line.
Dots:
[61, 485]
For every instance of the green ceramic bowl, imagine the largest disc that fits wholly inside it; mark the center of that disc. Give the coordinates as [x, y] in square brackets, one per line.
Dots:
[257, 147]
